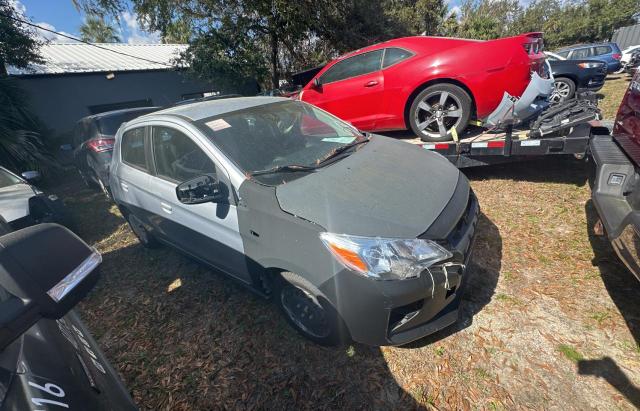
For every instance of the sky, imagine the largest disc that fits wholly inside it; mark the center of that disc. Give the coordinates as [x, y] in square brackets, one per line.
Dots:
[62, 16]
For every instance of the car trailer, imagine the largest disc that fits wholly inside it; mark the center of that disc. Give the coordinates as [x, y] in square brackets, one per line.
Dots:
[563, 128]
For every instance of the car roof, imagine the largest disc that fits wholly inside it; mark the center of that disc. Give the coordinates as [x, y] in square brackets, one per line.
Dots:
[114, 113]
[203, 109]
[579, 46]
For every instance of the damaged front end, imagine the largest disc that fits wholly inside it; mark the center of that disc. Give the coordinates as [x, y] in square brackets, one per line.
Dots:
[514, 110]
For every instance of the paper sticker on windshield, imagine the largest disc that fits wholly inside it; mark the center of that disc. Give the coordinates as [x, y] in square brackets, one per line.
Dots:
[343, 140]
[218, 124]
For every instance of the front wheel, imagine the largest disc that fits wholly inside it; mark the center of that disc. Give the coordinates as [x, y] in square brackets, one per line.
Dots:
[307, 312]
[439, 109]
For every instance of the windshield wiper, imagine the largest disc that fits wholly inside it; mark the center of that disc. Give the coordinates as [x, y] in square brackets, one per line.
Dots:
[285, 168]
[339, 150]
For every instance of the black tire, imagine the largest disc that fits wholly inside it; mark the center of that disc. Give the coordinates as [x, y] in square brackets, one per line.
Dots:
[144, 236]
[106, 190]
[87, 181]
[329, 331]
[428, 107]
[563, 89]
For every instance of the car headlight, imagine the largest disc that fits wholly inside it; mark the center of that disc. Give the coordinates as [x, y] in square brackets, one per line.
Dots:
[592, 64]
[384, 258]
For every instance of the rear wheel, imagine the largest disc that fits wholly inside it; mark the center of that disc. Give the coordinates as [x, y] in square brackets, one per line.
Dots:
[144, 236]
[563, 89]
[437, 110]
[307, 312]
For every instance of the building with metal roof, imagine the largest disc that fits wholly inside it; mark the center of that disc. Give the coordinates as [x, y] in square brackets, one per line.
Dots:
[76, 80]
[66, 58]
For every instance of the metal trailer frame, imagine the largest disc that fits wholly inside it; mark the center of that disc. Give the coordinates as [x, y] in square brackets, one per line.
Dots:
[561, 129]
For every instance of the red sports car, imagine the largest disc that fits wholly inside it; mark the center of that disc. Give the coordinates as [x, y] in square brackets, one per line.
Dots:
[429, 84]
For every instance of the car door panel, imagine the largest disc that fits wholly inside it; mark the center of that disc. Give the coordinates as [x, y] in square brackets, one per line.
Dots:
[352, 89]
[207, 231]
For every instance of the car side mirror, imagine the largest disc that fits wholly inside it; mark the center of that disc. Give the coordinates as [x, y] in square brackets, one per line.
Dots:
[202, 189]
[45, 270]
[317, 84]
[31, 176]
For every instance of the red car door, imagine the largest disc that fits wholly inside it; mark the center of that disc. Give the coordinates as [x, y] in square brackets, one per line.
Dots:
[351, 89]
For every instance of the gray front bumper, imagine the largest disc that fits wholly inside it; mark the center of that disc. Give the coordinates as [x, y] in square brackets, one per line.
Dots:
[533, 100]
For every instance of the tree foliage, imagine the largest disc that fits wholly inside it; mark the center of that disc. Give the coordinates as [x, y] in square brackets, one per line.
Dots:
[563, 23]
[21, 146]
[18, 46]
[269, 39]
[96, 30]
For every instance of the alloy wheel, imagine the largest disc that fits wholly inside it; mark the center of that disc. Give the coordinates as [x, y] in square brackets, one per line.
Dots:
[438, 113]
[305, 311]
[560, 92]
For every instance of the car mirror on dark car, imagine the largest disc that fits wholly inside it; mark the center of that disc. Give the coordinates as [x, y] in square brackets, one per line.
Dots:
[202, 189]
[31, 176]
[45, 271]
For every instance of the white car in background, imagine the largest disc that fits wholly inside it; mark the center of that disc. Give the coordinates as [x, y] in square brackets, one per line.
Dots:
[626, 54]
[23, 205]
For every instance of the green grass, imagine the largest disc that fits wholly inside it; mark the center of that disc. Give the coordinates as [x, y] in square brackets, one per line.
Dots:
[601, 316]
[570, 352]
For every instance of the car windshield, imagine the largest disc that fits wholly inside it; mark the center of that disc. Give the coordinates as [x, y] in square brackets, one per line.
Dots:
[8, 179]
[281, 141]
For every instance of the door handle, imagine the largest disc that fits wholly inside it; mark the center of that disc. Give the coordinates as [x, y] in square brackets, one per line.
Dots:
[371, 83]
[166, 208]
[124, 186]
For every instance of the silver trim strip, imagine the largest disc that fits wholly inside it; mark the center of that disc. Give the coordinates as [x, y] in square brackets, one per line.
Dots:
[68, 283]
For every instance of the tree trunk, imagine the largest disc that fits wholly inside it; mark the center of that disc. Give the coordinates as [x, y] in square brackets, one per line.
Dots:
[3, 69]
[275, 75]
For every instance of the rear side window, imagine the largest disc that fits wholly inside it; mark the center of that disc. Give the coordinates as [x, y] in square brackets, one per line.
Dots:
[353, 66]
[582, 53]
[600, 50]
[564, 54]
[132, 148]
[394, 55]
[177, 157]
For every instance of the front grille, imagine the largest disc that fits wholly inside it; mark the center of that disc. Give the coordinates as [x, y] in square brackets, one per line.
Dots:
[460, 228]
[460, 238]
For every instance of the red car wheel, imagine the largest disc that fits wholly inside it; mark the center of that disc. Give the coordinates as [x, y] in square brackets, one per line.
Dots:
[437, 110]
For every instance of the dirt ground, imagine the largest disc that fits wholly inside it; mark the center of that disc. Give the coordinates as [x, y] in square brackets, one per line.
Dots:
[550, 319]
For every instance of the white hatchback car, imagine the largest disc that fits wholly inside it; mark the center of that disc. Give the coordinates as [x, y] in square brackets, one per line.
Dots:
[351, 234]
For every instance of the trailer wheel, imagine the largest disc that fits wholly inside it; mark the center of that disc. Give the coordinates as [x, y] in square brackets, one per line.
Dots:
[563, 89]
[437, 110]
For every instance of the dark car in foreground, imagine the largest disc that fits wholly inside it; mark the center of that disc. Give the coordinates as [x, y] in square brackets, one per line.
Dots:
[616, 191]
[350, 234]
[23, 204]
[574, 76]
[608, 52]
[48, 359]
[92, 144]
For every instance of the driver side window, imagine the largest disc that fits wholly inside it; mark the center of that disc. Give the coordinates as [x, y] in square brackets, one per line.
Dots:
[357, 65]
[177, 157]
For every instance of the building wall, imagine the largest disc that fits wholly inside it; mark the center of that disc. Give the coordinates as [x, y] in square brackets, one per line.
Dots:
[627, 36]
[60, 101]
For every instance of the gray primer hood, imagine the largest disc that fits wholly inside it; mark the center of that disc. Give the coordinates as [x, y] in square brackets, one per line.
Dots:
[387, 188]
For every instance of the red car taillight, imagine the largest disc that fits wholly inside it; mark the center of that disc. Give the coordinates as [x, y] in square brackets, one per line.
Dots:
[617, 56]
[100, 145]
